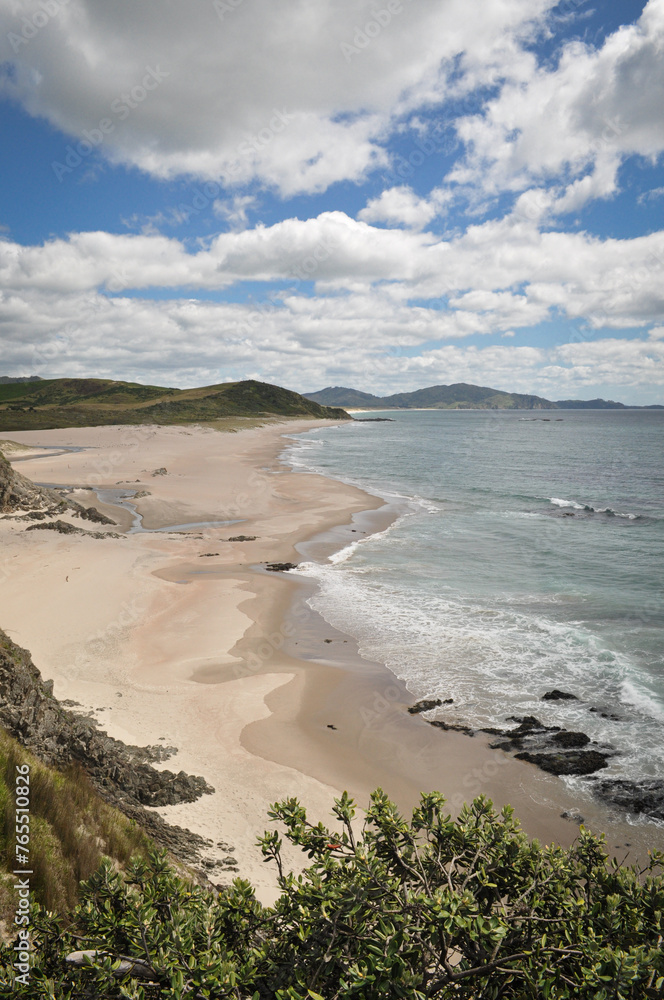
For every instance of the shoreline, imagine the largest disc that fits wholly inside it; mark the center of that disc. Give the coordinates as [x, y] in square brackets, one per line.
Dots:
[227, 662]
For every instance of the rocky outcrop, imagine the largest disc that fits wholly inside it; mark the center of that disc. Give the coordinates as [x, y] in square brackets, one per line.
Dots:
[425, 705]
[91, 514]
[555, 750]
[280, 567]
[122, 774]
[66, 528]
[574, 762]
[21, 499]
[557, 695]
[17, 493]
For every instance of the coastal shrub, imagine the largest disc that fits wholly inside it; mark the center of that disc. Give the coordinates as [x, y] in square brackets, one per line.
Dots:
[427, 908]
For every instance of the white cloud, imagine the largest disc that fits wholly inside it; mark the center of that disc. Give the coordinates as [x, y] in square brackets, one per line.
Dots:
[304, 344]
[257, 89]
[596, 107]
[502, 274]
[401, 206]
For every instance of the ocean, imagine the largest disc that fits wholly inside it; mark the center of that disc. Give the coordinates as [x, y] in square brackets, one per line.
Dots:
[526, 555]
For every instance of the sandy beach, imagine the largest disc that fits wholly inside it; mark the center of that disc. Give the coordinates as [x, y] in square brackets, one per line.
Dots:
[181, 637]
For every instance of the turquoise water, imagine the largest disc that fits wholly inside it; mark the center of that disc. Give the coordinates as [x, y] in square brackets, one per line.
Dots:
[527, 555]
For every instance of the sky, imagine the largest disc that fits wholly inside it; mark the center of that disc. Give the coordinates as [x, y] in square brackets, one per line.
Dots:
[381, 194]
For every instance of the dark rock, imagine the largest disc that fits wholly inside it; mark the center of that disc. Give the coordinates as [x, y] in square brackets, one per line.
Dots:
[243, 538]
[607, 715]
[557, 695]
[634, 797]
[526, 721]
[455, 727]
[280, 567]
[92, 514]
[573, 815]
[570, 740]
[425, 705]
[574, 762]
[65, 528]
[203, 555]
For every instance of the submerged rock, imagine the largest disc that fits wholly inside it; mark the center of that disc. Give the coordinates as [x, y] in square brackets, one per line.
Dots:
[557, 695]
[634, 797]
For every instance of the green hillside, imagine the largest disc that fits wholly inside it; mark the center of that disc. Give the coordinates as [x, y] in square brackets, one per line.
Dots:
[72, 402]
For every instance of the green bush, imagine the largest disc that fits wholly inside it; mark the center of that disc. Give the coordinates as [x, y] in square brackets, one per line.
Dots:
[431, 908]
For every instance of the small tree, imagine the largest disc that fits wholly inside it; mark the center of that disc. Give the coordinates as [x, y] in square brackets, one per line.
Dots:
[431, 908]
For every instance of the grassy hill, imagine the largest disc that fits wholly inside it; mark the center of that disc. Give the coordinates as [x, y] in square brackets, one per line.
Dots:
[70, 828]
[460, 396]
[73, 402]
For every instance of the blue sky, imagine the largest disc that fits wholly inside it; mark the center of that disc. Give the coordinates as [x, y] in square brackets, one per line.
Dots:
[384, 195]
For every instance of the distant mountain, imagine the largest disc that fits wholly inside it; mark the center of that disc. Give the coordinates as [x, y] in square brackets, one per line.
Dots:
[78, 402]
[439, 397]
[460, 396]
[6, 379]
[601, 404]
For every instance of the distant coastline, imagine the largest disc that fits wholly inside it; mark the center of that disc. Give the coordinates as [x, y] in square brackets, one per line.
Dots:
[459, 396]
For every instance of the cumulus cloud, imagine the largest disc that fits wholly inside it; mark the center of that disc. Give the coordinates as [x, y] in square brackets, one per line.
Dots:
[369, 314]
[500, 274]
[401, 206]
[299, 96]
[584, 116]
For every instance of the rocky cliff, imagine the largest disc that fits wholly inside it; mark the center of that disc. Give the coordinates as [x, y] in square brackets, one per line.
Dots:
[122, 774]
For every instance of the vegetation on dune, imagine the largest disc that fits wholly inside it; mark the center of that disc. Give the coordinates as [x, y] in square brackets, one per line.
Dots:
[71, 828]
[89, 402]
[431, 908]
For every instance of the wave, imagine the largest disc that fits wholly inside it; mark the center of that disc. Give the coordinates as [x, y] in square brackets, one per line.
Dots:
[633, 694]
[589, 509]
